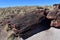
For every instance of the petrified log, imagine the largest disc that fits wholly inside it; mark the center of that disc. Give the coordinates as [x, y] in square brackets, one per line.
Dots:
[23, 23]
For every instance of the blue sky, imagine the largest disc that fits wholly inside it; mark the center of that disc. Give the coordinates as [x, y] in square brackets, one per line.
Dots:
[11, 3]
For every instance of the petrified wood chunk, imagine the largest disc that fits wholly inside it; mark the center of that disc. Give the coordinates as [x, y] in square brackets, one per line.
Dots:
[56, 22]
[56, 6]
[52, 14]
[22, 23]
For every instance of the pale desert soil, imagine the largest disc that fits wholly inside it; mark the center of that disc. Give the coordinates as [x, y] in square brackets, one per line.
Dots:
[50, 34]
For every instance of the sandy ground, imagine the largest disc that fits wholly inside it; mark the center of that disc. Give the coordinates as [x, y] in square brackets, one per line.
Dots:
[51, 34]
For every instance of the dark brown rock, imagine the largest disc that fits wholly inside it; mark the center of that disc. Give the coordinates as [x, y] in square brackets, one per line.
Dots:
[23, 23]
[56, 22]
[56, 6]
